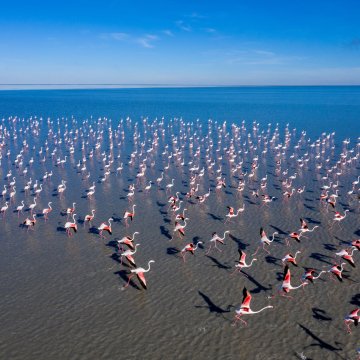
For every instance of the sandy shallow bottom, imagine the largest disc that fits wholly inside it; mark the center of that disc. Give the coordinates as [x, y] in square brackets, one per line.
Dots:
[63, 298]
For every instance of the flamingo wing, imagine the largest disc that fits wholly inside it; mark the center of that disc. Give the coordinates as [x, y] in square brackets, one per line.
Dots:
[131, 260]
[303, 224]
[142, 279]
[246, 299]
[262, 232]
[287, 277]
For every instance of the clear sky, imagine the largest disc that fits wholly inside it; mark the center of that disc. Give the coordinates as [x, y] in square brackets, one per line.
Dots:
[196, 42]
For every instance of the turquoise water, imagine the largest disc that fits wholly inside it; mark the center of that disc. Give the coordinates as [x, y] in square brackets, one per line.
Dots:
[315, 109]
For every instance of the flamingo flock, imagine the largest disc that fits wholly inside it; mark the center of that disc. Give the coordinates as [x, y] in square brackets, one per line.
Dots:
[209, 167]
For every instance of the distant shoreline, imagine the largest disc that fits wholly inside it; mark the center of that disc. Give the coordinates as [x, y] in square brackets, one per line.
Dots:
[142, 86]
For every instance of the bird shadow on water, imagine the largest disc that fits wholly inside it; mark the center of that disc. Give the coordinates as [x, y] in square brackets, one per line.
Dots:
[320, 314]
[165, 232]
[172, 251]
[259, 287]
[321, 343]
[272, 260]
[240, 244]
[355, 300]
[321, 257]
[212, 307]
[124, 275]
[61, 229]
[214, 217]
[218, 263]
[280, 231]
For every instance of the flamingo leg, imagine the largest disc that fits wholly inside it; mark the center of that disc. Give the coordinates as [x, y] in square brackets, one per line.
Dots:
[127, 284]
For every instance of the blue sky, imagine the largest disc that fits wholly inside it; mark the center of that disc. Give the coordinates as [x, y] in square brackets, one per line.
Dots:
[181, 42]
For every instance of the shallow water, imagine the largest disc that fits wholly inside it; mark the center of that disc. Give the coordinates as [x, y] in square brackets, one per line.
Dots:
[63, 297]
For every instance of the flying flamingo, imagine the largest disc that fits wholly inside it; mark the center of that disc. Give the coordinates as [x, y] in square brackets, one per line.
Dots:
[47, 210]
[353, 317]
[88, 218]
[71, 225]
[128, 254]
[105, 227]
[180, 228]
[242, 263]
[231, 214]
[286, 285]
[139, 272]
[20, 208]
[309, 275]
[191, 248]
[337, 271]
[215, 238]
[339, 217]
[264, 240]
[305, 227]
[127, 240]
[294, 235]
[180, 216]
[345, 254]
[30, 223]
[356, 244]
[245, 307]
[128, 214]
[290, 258]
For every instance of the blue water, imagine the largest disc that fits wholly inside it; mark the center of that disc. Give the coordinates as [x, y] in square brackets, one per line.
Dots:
[314, 109]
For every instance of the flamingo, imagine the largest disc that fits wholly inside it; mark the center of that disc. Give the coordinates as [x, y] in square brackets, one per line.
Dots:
[128, 214]
[47, 210]
[305, 227]
[70, 211]
[71, 225]
[128, 254]
[181, 216]
[30, 223]
[345, 254]
[4, 208]
[288, 194]
[264, 240]
[215, 238]
[245, 307]
[88, 218]
[290, 258]
[337, 271]
[231, 214]
[353, 317]
[139, 272]
[148, 187]
[169, 186]
[180, 228]
[356, 244]
[309, 275]
[339, 217]
[12, 194]
[294, 235]
[242, 262]
[191, 248]
[20, 208]
[127, 240]
[105, 227]
[160, 179]
[286, 285]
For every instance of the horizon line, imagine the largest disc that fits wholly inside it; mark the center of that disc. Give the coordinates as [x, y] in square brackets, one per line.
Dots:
[99, 86]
